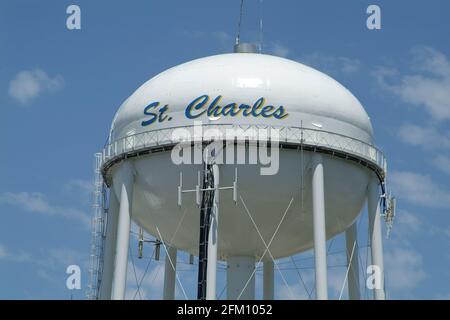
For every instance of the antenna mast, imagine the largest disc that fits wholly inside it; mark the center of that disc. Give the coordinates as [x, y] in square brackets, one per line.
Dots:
[238, 36]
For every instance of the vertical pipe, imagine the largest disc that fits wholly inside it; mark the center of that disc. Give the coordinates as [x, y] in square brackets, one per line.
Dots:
[376, 244]
[320, 249]
[351, 237]
[110, 247]
[211, 269]
[239, 276]
[268, 280]
[170, 269]
[125, 177]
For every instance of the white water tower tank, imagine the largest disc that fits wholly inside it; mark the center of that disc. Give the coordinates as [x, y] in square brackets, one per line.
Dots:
[320, 124]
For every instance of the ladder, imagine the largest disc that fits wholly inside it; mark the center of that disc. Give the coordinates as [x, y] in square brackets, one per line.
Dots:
[98, 223]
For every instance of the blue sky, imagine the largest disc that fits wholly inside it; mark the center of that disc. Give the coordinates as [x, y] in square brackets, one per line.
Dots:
[59, 90]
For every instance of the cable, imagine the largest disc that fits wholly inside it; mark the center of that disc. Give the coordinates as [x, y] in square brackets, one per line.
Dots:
[223, 290]
[171, 264]
[134, 271]
[178, 226]
[348, 269]
[145, 273]
[139, 283]
[267, 247]
[301, 278]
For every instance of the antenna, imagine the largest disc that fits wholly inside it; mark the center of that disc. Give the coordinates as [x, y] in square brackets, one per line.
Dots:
[242, 47]
[198, 190]
[260, 26]
[238, 36]
[142, 241]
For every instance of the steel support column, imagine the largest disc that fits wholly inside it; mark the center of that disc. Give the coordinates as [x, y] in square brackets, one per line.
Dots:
[351, 237]
[170, 269]
[375, 234]
[126, 180]
[268, 280]
[320, 248]
[110, 247]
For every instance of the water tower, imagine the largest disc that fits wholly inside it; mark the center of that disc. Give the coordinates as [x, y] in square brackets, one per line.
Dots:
[323, 167]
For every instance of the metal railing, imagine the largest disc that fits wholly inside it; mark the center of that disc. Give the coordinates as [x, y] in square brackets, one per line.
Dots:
[290, 135]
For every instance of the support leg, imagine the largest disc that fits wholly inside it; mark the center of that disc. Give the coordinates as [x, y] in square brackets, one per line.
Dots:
[320, 249]
[125, 178]
[268, 280]
[170, 269]
[239, 271]
[376, 242]
[110, 247]
[352, 262]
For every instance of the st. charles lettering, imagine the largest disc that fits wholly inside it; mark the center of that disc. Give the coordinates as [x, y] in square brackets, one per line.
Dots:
[205, 106]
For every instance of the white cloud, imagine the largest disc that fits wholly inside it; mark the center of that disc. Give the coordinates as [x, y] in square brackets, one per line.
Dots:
[50, 264]
[407, 224]
[427, 86]
[331, 64]
[424, 137]
[223, 38]
[61, 258]
[427, 59]
[7, 255]
[297, 290]
[442, 163]
[49, 259]
[3, 253]
[404, 269]
[36, 202]
[82, 185]
[410, 227]
[29, 84]
[294, 292]
[50, 277]
[419, 189]
[407, 228]
[337, 280]
[83, 188]
[152, 283]
[279, 50]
